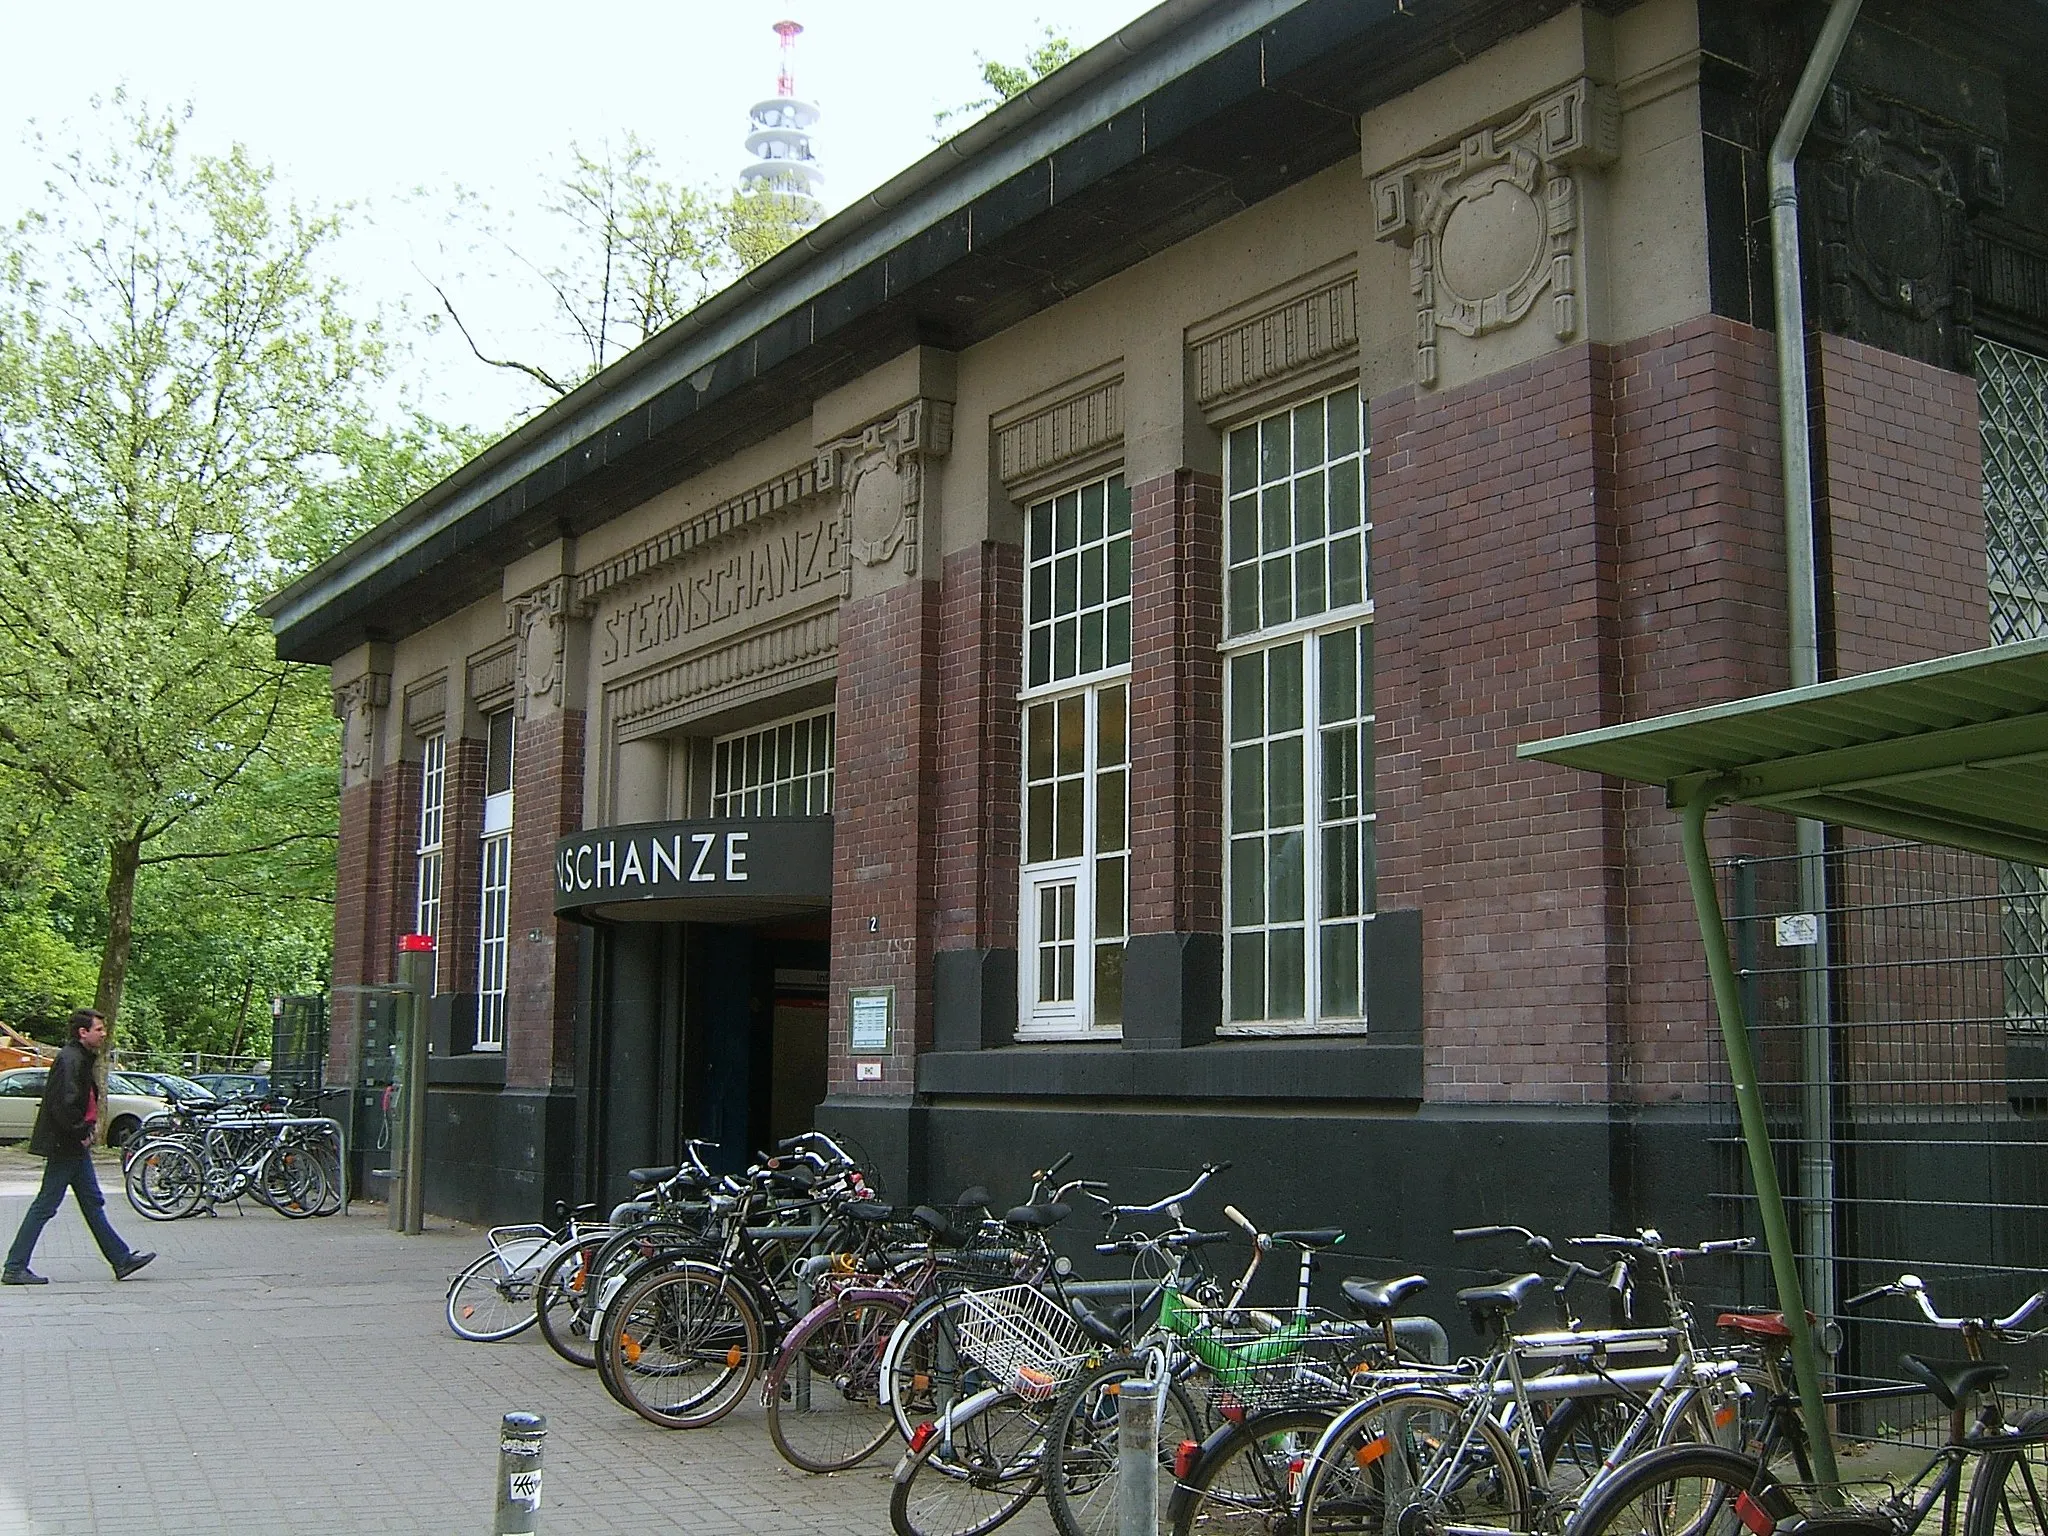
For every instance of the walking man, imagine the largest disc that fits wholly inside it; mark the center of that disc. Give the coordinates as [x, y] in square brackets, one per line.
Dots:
[63, 1136]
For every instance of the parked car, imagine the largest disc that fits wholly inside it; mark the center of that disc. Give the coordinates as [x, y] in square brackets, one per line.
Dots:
[168, 1084]
[234, 1085]
[21, 1091]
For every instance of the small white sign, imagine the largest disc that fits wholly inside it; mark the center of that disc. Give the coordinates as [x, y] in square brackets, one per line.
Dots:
[1798, 930]
[867, 1071]
[524, 1488]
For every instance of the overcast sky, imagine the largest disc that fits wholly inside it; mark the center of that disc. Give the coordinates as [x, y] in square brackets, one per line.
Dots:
[366, 102]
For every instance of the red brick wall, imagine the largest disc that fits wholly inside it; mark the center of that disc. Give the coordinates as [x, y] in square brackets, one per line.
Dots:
[540, 977]
[1701, 523]
[1495, 589]
[1903, 506]
[885, 822]
[981, 651]
[1176, 705]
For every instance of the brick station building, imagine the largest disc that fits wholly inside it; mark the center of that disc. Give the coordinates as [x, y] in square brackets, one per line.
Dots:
[1036, 666]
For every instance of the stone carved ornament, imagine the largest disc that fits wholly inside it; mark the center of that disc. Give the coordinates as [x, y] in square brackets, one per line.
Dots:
[540, 620]
[1893, 195]
[1493, 226]
[880, 478]
[356, 705]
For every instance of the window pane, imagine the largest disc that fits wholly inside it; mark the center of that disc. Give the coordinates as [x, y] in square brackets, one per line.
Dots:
[1343, 422]
[1109, 898]
[1109, 984]
[1274, 461]
[1284, 710]
[1117, 644]
[1286, 797]
[1091, 513]
[1073, 742]
[1285, 877]
[1365, 670]
[1244, 458]
[1286, 994]
[1041, 531]
[1276, 523]
[1339, 680]
[1347, 572]
[1247, 977]
[1068, 820]
[1244, 599]
[1247, 697]
[1344, 500]
[1118, 580]
[1109, 726]
[1091, 641]
[1340, 994]
[1066, 521]
[1091, 576]
[498, 752]
[1308, 583]
[1308, 508]
[1247, 788]
[1041, 657]
[1065, 648]
[1276, 581]
[1119, 505]
[1340, 773]
[1308, 433]
[1039, 824]
[1109, 811]
[1244, 528]
[1341, 896]
[1247, 881]
[1066, 576]
[1040, 596]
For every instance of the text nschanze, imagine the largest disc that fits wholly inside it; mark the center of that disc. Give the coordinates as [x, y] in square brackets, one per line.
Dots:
[614, 863]
[791, 557]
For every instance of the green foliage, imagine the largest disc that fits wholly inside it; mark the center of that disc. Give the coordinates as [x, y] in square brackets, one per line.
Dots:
[184, 423]
[633, 250]
[1007, 80]
[43, 976]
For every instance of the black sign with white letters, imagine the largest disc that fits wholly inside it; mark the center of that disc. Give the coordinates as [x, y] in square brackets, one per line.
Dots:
[768, 861]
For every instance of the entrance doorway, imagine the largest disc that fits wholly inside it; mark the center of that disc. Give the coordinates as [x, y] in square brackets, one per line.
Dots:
[754, 1034]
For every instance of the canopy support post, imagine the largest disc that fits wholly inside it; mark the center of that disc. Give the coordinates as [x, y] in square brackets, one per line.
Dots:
[1756, 1138]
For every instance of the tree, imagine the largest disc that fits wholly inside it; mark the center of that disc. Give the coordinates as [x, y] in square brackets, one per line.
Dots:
[1006, 80]
[184, 423]
[634, 251]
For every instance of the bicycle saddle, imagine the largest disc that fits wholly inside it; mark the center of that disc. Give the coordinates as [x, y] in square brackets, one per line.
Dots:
[1107, 1328]
[1486, 1302]
[940, 1226]
[869, 1210]
[1376, 1302]
[1951, 1379]
[1038, 1216]
[973, 1195]
[651, 1175]
[1319, 1237]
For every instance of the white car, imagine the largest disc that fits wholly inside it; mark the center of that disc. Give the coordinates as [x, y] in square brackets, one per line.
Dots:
[21, 1094]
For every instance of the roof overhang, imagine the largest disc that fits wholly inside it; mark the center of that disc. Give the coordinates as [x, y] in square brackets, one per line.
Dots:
[1950, 751]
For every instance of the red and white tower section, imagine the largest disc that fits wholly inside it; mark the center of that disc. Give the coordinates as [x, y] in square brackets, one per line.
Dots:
[780, 141]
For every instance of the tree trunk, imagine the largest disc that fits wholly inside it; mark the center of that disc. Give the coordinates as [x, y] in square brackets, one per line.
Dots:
[242, 1018]
[124, 860]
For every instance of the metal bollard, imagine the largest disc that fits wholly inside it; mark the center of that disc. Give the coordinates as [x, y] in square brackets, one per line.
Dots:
[519, 1448]
[1137, 1458]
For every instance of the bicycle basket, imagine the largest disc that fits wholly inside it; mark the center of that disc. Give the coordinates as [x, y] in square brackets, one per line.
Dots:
[1022, 1337]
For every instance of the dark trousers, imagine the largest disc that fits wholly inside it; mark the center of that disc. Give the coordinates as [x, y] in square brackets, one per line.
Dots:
[72, 1171]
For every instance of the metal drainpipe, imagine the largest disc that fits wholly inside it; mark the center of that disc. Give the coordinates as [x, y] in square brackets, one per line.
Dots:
[1817, 1159]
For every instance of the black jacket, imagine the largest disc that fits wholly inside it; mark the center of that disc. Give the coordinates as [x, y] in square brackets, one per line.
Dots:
[60, 1129]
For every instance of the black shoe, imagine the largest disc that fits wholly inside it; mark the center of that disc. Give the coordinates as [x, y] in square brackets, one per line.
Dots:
[21, 1277]
[132, 1263]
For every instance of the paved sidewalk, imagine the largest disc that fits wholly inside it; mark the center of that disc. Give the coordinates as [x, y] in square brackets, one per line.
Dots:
[272, 1376]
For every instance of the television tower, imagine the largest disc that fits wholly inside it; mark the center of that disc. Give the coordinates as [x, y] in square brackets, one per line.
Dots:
[781, 142]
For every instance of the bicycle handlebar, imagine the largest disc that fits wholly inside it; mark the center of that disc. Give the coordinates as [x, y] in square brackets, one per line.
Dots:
[1915, 1287]
[1209, 1171]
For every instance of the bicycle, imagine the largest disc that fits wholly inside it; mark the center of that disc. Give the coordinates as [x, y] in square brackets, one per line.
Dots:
[492, 1298]
[1715, 1491]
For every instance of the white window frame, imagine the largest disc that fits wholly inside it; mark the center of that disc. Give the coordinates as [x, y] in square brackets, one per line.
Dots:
[494, 906]
[1263, 639]
[755, 772]
[1101, 563]
[433, 812]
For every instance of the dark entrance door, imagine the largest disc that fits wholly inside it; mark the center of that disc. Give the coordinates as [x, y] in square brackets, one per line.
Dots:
[755, 1045]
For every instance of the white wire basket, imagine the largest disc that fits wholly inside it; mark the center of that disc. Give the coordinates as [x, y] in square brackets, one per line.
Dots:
[523, 1249]
[1022, 1337]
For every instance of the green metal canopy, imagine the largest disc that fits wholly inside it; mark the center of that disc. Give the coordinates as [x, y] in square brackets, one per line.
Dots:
[1951, 751]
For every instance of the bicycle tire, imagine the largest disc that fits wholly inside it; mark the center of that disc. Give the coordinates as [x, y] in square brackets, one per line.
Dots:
[1686, 1490]
[974, 1477]
[2010, 1494]
[1245, 1476]
[563, 1301]
[165, 1181]
[1582, 1431]
[924, 1372]
[486, 1305]
[681, 1346]
[1081, 1461]
[1405, 1432]
[825, 1409]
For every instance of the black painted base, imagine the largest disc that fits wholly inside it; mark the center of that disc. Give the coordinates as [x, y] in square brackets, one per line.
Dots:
[499, 1156]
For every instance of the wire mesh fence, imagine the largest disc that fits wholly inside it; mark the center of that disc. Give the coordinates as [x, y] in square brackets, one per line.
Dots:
[1902, 1058]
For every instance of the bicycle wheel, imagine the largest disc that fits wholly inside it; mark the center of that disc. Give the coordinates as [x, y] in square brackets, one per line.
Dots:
[1405, 1459]
[564, 1299]
[165, 1181]
[2010, 1495]
[1686, 1490]
[924, 1372]
[291, 1182]
[1244, 1478]
[486, 1304]
[1582, 1432]
[825, 1410]
[971, 1476]
[681, 1346]
[1081, 1463]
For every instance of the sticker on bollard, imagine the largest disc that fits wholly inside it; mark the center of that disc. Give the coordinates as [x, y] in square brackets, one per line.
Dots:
[519, 1474]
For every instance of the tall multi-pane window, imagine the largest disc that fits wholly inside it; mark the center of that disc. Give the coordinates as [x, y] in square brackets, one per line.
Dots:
[2012, 411]
[1298, 707]
[1077, 627]
[783, 769]
[494, 910]
[433, 784]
